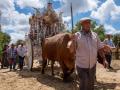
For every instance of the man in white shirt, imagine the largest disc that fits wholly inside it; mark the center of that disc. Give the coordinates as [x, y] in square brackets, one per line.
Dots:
[21, 51]
[87, 43]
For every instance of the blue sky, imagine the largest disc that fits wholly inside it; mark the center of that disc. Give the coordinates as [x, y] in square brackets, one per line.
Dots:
[16, 13]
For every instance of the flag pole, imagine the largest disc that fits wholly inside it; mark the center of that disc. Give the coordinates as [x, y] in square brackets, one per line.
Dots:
[71, 17]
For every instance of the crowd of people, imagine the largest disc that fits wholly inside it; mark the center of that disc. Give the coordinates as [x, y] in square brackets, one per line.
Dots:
[13, 55]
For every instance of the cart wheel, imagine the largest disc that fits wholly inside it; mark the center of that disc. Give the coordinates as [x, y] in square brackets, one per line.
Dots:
[30, 54]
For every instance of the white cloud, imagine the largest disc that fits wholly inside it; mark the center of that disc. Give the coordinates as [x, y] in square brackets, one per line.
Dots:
[16, 32]
[66, 19]
[115, 14]
[107, 11]
[78, 6]
[7, 4]
[31, 3]
[110, 30]
[17, 22]
[13, 21]
[17, 36]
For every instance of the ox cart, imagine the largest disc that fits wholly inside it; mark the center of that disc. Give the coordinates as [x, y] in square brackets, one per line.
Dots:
[41, 26]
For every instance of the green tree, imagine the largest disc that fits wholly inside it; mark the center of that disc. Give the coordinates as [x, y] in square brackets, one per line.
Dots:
[77, 27]
[19, 42]
[100, 31]
[4, 39]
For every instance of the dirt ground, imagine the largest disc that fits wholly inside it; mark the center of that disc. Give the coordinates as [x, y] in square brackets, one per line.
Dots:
[26, 80]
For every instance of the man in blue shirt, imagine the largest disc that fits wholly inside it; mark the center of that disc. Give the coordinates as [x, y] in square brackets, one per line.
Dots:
[108, 41]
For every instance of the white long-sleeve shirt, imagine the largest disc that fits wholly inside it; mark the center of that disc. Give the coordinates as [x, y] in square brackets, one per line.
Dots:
[21, 51]
[87, 47]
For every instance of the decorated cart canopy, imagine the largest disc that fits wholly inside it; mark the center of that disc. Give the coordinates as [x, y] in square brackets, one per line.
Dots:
[46, 23]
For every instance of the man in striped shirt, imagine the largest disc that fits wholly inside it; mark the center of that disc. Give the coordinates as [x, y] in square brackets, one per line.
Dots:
[12, 53]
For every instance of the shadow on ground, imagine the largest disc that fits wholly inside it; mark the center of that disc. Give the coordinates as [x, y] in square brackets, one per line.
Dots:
[47, 79]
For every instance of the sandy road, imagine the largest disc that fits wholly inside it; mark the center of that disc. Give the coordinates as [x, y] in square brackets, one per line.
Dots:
[26, 80]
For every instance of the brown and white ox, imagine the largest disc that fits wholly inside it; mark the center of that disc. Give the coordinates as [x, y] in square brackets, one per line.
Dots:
[56, 49]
